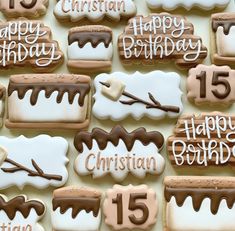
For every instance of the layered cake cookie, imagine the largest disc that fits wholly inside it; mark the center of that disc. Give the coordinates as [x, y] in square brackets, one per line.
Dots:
[76, 209]
[90, 48]
[156, 95]
[24, 8]
[93, 10]
[187, 4]
[198, 203]
[28, 161]
[58, 101]
[119, 153]
[211, 85]
[2, 100]
[28, 43]
[222, 38]
[203, 140]
[20, 214]
[130, 207]
[160, 38]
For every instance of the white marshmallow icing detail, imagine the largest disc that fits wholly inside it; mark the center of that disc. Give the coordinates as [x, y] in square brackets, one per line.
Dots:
[187, 4]
[94, 10]
[164, 87]
[44, 150]
[46, 109]
[90, 53]
[82, 222]
[185, 218]
[225, 43]
[89, 161]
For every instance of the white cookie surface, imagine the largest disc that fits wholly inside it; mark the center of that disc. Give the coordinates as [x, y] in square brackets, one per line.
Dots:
[155, 95]
[94, 10]
[29, 162]
[187, 4]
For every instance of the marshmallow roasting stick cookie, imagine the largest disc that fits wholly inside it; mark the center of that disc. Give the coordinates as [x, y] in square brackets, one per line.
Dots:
[198, 203]
[90, 49]
[93, 10]
[58, 101]
[187, 4]
[76, 209]
[24, 8]
[28, 43]
[119, 153]
[222, 38]
[20, 214]
[160, 38]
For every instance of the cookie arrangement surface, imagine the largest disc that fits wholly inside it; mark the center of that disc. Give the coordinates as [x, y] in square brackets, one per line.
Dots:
[117, 115]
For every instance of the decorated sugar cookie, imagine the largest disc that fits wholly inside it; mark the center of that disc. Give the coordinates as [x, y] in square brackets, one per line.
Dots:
[28, 161]
[24, 8]
[187, 4]
[76, 208]
[2, 100]
[28, 43]
[160, 38]
[155, 95]
[213, 85]
[119, 153]
[58, 101]
[223, 35]
[19, 213]
[90, 49]
[203, 140]
[130, 207]
[76, 10]
[199, 203]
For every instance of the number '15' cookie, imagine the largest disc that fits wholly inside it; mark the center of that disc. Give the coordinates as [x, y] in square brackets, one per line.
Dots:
[161, 38]
[199, 203]
[119, 153]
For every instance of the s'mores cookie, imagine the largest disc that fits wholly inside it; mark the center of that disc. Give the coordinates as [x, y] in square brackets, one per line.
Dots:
[90, 48]
[59, 101]
[76, 209]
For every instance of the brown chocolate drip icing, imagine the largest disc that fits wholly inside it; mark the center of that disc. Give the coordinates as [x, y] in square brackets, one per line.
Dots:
[77, 204]
[226, 24]
[72, 89]
[102, 138]
[20, 204]
[216, 195]
[95, 38]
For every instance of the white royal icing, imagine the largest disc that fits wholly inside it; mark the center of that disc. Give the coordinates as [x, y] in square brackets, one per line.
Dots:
[185, 218]
[225, 43]
[140, 160]
[44, 150]
[46, 109]
[188, 4]
[94, 10]
[82, 222]
[90, 53]
[165, 87]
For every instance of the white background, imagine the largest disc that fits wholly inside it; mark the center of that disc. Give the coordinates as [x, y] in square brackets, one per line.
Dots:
[201, 21]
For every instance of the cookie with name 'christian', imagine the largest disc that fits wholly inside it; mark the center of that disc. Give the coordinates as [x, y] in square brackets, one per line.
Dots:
[160, 38]
[90, 49]
[93, 10]
[130, 207]
[24, 8]
[28, 161]
[76, 208]
[119, 152]
[19, 213]
[155, 95]
[49, 101]
[203, 140]
[199, 203]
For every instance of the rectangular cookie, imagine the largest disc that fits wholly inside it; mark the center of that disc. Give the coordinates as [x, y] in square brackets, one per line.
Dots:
[198, 203]
[59, 101]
